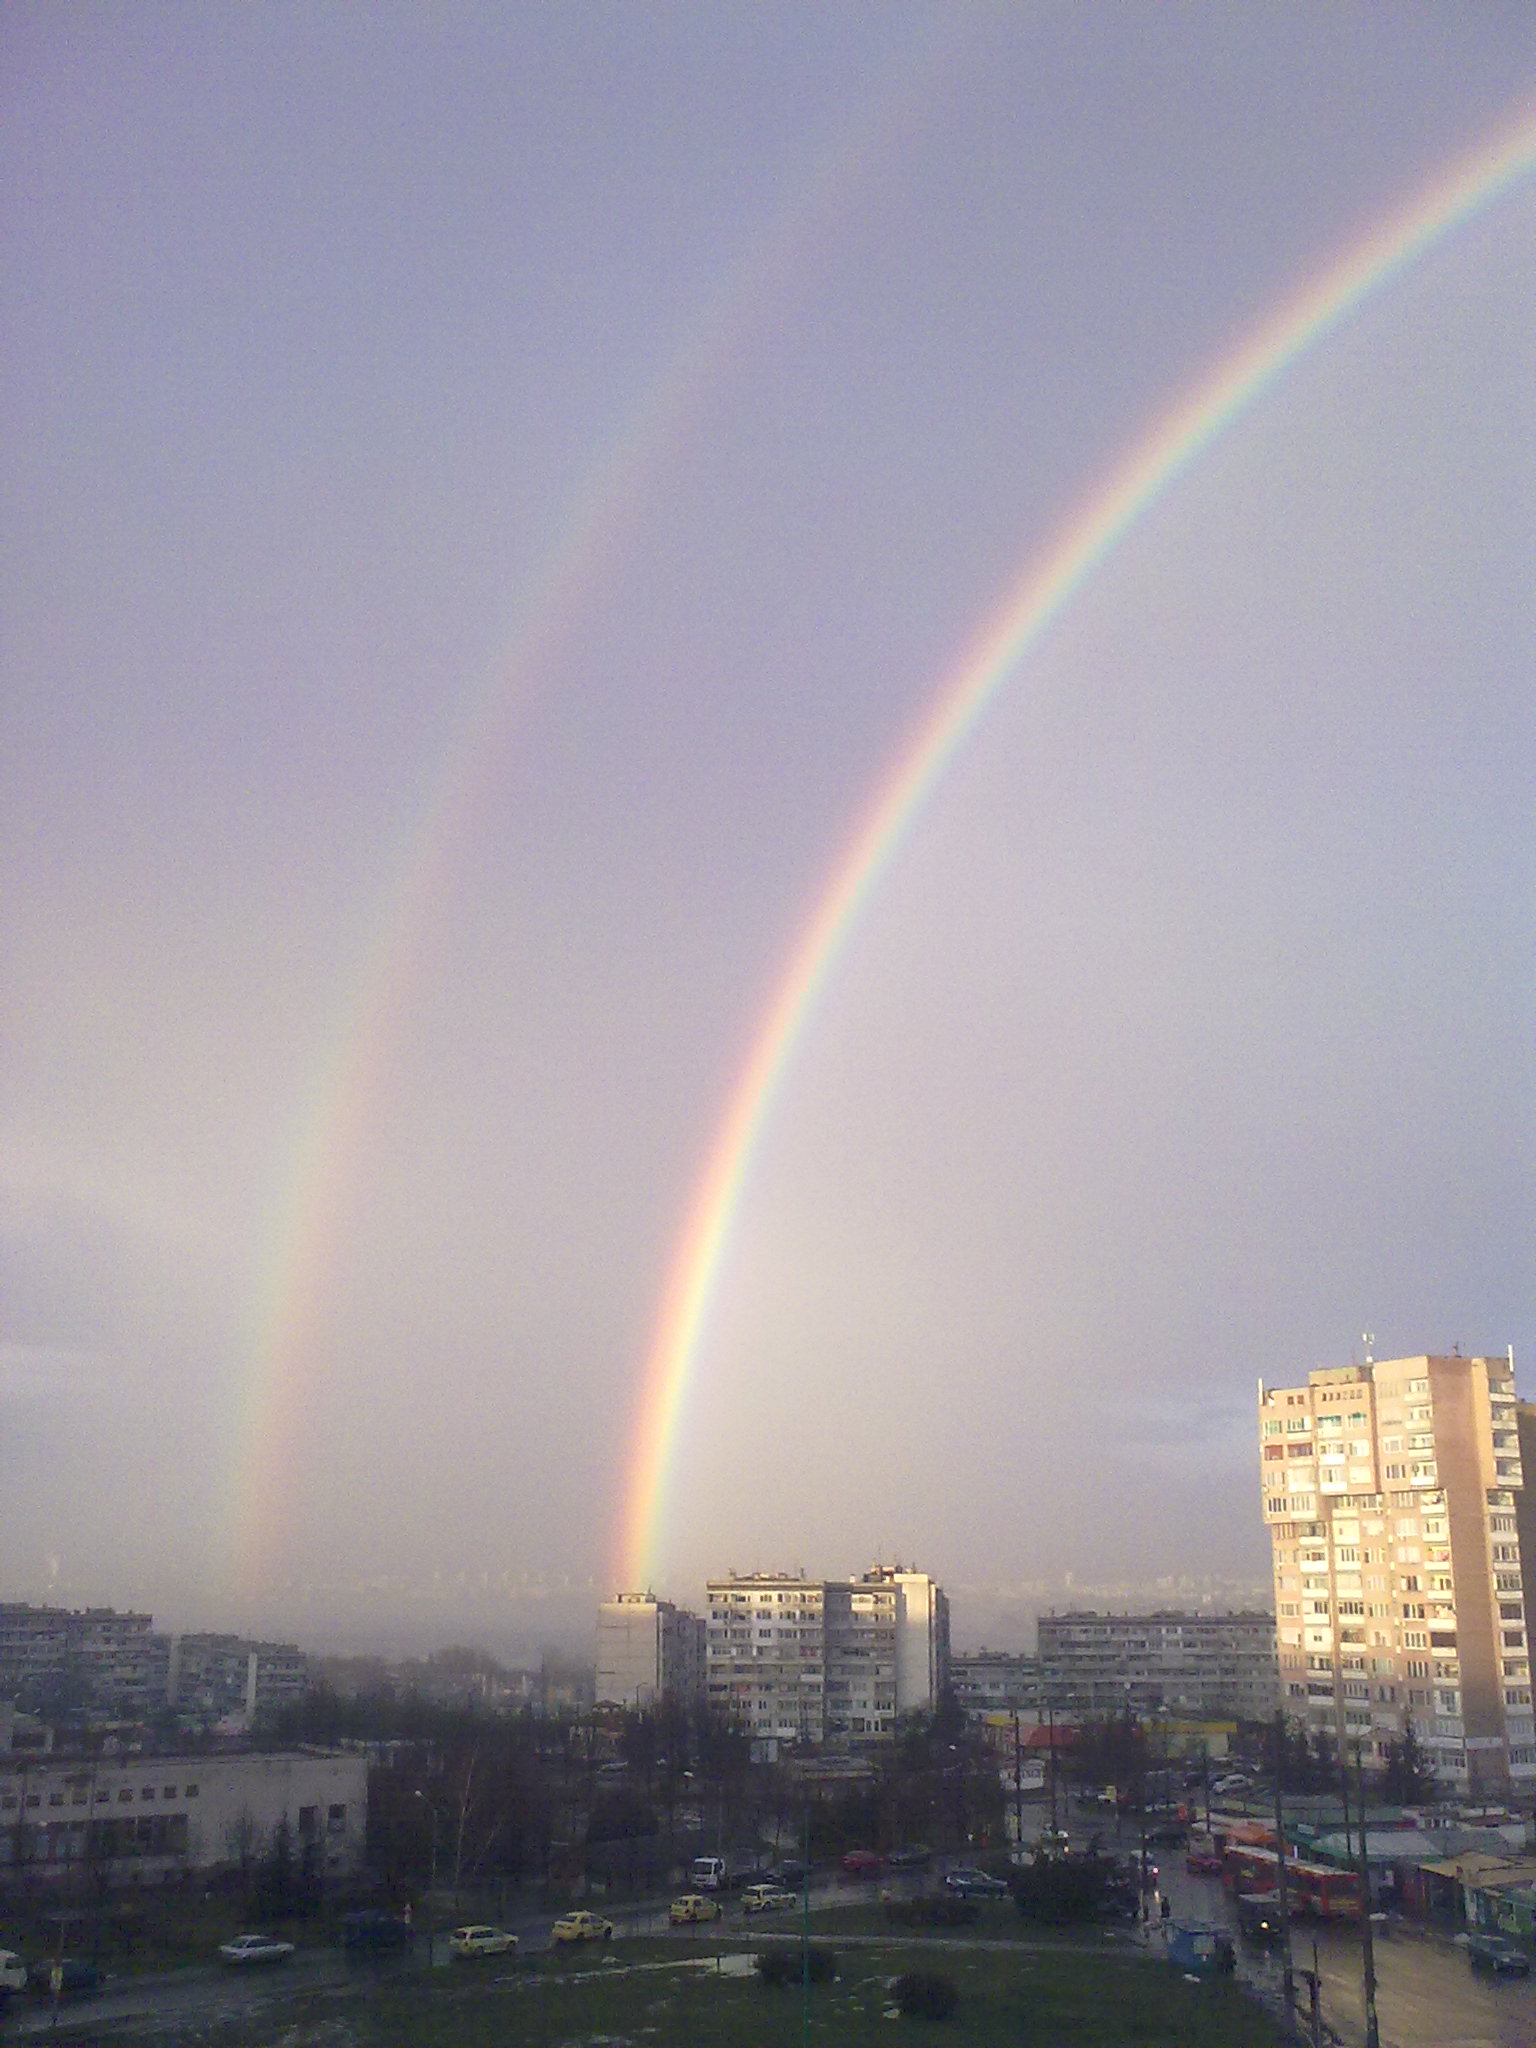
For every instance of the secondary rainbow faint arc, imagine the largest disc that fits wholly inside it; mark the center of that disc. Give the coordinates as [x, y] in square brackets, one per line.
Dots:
[1049, 583]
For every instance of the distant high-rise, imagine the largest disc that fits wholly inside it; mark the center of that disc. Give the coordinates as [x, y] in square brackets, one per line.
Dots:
[648, 1650]
[1393, 1495]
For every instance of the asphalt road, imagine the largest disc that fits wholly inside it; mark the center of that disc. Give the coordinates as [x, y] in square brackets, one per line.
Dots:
[1428, 1995]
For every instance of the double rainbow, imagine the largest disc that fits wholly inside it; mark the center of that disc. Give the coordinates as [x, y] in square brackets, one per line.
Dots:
[1048, 585]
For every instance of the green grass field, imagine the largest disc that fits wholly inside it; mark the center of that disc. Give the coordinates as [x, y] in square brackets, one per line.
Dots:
[648, 1995]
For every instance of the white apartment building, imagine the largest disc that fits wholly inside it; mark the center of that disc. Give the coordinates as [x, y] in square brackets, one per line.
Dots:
[145, 1820]
[1392, 1493]
[805, 1660]
[648, 1650]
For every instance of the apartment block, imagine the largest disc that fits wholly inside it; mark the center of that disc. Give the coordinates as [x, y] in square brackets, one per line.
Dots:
[1393, 1493]
[1172, 1661]
[995, 1681]
[808, 1660]
[94, 1657]
[648, 1650]
[230, 1675]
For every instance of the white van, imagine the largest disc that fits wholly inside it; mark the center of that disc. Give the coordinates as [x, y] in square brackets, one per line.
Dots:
[707, 1873]
[13, 1971]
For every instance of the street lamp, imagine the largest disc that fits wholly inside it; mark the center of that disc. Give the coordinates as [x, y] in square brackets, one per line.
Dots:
[431, 1875]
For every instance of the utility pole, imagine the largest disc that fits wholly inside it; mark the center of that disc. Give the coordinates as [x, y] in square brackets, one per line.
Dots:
[1367, 1936]
[1018, 1789]
[1282, 1876]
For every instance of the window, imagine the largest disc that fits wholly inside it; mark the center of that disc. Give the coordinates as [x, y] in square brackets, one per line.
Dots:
[191, 1791]
[1418, 1668]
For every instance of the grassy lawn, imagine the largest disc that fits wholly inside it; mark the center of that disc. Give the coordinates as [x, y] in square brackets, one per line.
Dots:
[646, 1996]
[996, 1920]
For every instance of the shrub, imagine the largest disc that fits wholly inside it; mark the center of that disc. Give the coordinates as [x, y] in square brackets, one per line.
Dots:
[922, 1996]
[934, 1909]
[781, 1966]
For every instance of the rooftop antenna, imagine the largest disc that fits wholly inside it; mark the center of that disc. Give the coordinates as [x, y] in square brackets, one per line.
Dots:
[1368, 1339]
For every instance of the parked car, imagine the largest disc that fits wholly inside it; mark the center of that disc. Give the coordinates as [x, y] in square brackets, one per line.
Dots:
[693, 1907]
[581, 1927]
[373, 1931]
[916, 1856]
[481, 1941]
[975, 1884]
[709, 1873]
[255, 1948]
[791, 1873]
[13, 1971]
[66, 1977]
[1493, 1952]
[766, 1898]
[862, 1863]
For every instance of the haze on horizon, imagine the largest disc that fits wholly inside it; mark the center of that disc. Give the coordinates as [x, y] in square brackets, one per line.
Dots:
[488, 491]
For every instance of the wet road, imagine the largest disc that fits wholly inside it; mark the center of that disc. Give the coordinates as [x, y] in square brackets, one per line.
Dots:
[1427, 1996]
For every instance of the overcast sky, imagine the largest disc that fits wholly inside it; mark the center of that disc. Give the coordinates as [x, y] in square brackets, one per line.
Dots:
[487, 490]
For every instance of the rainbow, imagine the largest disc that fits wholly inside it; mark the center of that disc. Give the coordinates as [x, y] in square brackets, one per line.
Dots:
[1049, 583]
[300, 1244]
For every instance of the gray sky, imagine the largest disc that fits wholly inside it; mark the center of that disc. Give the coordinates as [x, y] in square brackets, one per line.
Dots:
[487, 490]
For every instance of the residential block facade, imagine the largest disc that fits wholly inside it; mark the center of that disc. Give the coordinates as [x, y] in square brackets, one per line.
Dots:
[648, 1650]
[1172, 1661]
[1393, 1494]
[103, 1661]
[808, 1660]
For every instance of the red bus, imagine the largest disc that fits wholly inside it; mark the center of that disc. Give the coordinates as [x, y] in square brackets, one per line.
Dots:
[1315, 1890]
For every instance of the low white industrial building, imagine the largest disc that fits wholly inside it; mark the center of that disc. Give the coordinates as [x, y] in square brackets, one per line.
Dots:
[150, 1819]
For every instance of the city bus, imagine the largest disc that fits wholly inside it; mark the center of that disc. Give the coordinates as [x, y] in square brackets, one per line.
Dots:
[1315, 1891]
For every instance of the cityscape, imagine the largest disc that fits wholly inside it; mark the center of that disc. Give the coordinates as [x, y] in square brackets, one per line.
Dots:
[810, 1713]
[765, 1063]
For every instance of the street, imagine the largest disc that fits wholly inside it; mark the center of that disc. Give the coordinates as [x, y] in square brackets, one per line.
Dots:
[1428, 1995]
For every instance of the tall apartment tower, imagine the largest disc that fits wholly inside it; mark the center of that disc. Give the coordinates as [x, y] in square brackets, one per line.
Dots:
[1393, 1496]
[648, 1650]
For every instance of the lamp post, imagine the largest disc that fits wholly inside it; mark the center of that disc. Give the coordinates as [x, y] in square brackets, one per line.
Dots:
[1282, 1882]
[431, 1876]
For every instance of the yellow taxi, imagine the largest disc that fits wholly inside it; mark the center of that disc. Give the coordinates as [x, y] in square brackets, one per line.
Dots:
[581, 1927]
[683, 1912]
